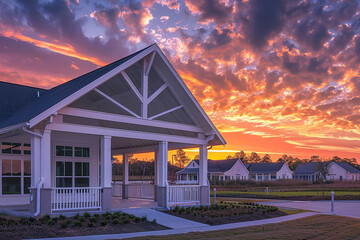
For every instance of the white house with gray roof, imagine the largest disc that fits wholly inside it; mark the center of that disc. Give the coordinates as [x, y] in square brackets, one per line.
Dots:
[57, 144]
[268, 171]
[229, 169]
[335, 171]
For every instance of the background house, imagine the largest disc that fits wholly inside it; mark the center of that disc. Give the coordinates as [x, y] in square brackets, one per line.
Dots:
[268, 171]
[314, 171]
[229, 169]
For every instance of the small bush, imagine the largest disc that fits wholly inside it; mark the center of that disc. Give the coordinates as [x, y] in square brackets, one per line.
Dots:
[76, 216]
[87, 215]
[154, 221]
[115, 221]
[62, 217]
[64, 224]
[143, 219]
[77, 224]
[93, 219]
[96, 215]
[126, 221]
[137, 219]
[31, 219]
[90, 224]
[104, 223]
[81, 219]
[51, 222]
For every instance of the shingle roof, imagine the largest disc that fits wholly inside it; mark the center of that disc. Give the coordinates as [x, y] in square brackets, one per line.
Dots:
[213, 166]
[264, 167]
[308, 168]
[29, 106]
[348, 167]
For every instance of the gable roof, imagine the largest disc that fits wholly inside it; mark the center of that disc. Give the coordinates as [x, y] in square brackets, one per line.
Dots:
[49, 98]
[218, 166]
[308, 168]
[264, 167]
[51, 101]
[348, 167]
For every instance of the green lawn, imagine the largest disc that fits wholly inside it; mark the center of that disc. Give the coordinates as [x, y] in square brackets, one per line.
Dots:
[315, 227]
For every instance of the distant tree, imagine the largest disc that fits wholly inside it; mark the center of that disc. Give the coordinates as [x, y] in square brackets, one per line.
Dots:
[197, 157]
[181, 158]
[315, 158]
[323, 170]
[254, 158]
[266, 158]
[229, 157]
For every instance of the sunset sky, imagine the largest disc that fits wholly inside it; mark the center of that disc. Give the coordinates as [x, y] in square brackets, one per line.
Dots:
[274, 76]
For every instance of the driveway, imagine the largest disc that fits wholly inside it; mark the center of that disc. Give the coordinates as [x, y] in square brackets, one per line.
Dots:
[342, 208]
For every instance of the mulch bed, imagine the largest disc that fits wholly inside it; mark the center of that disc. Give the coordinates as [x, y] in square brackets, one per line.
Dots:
[295, 198]
[46, 227]
[227, 212]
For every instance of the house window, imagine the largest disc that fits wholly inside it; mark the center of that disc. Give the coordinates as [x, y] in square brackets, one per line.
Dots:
[10, 148]
[227, 178]
[11, 176]
[82, 152]
[64, 151]
[273, 176]
[66, 177]
[238, 176]
[27, 148]
[82, 174]
[64, 174]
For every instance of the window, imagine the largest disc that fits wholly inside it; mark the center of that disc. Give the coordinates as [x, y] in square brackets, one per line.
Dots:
[11, 180]
[273, 176]
[82, 174]
[66, 177]
[10, 148]
[64, 151]
[64, 174]
[82, 152]
[27, 176]
[27, 148]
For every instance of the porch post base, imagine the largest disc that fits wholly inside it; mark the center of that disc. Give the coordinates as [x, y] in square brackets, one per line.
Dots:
[205, 195]
[106, 199]
[161, 196]
[45, 201]
[155, 192]
[125, 191]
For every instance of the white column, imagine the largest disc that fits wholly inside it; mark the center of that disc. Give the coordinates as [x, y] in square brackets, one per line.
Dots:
[125, 168]
[163, 163]
[35, 158]
[106, 170]
[46, 164]
[156, 168]
[203, 168]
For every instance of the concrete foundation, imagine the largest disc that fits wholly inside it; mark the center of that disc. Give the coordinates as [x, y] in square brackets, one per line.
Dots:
[161, 196]
[155, 192]
[45, 201]
[205, 195]
[125, 191]
[106, 199]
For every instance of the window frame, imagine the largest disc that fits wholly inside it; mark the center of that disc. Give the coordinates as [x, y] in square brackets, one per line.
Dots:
[22, 176]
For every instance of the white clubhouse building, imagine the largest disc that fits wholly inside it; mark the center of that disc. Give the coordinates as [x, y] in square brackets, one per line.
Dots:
[57, 144]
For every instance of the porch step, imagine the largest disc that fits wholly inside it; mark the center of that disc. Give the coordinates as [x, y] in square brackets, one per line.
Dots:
[163, 218]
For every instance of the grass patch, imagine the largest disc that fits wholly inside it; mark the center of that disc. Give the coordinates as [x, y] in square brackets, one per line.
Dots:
[314, 227]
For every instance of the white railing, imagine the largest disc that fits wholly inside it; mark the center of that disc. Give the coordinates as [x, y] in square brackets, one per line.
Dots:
[183, 194]
[187, 182]
[75, 198]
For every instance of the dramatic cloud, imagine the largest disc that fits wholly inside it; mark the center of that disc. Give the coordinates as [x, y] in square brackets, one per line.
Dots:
[274, 76]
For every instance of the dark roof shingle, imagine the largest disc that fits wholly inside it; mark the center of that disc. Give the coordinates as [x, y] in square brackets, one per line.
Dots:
[264, 167]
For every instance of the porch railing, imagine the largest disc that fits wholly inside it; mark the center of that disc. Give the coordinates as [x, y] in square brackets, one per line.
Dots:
[183, 194]
[75, 198]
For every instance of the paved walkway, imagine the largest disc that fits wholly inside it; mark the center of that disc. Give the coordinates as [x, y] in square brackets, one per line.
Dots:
[342, 208]
[192, 229]
[164, 219]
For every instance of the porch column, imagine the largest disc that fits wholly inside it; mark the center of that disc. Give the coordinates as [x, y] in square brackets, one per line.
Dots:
[35, 168]
[125, 185]
[156, 173]
[203, 181]
[106, 172]
[162, 179]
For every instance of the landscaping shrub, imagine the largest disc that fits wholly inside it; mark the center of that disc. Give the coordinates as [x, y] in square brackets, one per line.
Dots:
[104, 223]
[115, 221]
[87, 215]
[77, 224]
[90, 224]
[62, 217]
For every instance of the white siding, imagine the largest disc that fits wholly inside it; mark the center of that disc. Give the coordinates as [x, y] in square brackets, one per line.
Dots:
[239, 170]
[284, 172]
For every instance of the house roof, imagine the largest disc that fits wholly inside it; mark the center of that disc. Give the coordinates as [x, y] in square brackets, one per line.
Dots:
[308, 168]
[48, 98]
[264, 167]
[348, 167]
[213, 166]
[32, 111]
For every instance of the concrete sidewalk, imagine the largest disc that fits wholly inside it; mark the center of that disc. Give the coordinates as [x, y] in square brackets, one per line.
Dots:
[192, 229]
[164, 219]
